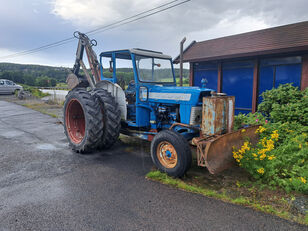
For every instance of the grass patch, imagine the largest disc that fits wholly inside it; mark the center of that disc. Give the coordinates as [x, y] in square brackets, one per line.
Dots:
[165, 179]
[34, 91]
[245, 193]
[44, 108]
[62, 85]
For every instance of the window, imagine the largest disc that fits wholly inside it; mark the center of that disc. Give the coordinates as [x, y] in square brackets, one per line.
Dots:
[154, 69]
[9, 82]
[107, 67]
[1, 82]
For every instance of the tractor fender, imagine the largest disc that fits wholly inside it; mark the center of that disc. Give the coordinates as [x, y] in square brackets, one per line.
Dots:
[117, 92]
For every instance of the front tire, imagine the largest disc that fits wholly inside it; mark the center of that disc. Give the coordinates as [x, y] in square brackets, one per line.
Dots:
[171, 153]
[82, 120]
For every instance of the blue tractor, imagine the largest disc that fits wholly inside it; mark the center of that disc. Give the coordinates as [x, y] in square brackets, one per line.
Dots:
[151, 107]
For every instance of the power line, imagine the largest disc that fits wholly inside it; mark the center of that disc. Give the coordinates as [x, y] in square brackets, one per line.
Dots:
[142, 15]
[136, 19]
[136, 15]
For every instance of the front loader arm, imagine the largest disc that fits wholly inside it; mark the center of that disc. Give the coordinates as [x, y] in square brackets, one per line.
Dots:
[74, 79]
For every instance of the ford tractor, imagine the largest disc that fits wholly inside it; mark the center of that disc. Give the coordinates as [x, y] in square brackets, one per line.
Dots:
[176, 120]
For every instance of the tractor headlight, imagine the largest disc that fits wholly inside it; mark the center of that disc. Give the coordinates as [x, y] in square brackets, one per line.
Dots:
[143, 93]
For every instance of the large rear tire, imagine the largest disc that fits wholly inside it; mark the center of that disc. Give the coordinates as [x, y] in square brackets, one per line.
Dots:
[111, 117]
[82, 120]
[171, 153]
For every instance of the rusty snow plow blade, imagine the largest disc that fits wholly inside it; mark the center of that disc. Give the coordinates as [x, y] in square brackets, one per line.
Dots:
[215, 152]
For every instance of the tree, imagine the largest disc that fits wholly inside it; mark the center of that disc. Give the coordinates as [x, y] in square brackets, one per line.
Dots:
[29, 80]
[53, 82]
[42, 81]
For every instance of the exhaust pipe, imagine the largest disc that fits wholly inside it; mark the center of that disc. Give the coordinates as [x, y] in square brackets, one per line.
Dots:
[181, 60]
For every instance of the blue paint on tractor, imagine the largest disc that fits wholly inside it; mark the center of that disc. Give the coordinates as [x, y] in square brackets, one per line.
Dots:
[155, 103]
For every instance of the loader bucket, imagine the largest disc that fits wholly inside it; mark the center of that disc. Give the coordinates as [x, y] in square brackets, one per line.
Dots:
[215, 152]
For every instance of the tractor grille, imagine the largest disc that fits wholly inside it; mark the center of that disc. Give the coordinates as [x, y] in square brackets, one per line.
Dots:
[195, 116]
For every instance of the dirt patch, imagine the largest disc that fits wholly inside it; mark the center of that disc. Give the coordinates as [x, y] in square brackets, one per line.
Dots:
[45, 107]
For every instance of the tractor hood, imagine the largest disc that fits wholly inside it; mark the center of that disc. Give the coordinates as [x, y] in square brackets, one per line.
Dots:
[185, 95]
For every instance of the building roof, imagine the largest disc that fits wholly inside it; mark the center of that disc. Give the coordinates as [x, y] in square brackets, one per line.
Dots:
[282, 39]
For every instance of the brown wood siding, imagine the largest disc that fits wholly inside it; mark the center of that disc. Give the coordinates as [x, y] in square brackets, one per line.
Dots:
[255, 86]
[219, 78]
[304, 79]
[191, 74]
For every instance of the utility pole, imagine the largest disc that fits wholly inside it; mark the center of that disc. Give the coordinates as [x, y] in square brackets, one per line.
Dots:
[181, 60]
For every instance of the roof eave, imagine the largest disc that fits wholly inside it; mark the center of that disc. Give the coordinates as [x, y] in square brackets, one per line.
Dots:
[250, 54]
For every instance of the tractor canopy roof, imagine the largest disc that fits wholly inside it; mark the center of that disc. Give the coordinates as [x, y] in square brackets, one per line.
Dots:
[126, 54]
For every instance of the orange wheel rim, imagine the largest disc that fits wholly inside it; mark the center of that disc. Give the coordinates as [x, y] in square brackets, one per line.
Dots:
[167, 154]
[75, 121]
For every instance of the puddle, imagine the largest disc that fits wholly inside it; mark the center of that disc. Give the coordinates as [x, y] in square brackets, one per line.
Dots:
[46, 147]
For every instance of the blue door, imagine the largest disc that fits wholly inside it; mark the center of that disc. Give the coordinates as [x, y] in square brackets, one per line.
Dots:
[237, 80]
[274, 72]
[208, 71]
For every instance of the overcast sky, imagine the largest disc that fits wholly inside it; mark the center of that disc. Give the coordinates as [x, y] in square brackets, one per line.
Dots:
[27, 24]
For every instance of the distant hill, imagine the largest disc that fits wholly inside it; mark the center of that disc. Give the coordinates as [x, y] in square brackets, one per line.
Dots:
[39, 75]
[12, 69]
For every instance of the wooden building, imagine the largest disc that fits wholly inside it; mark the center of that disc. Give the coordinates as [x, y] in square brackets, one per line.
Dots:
[245, 65]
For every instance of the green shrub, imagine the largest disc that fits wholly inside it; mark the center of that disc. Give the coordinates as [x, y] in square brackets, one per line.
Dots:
[280, 158]
[34, 91]
[242, 120]
[285, 104]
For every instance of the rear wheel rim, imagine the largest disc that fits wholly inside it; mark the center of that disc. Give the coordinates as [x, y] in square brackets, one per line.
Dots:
[167, 154]
[75, 121]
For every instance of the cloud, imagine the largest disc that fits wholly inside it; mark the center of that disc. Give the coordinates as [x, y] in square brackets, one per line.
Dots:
[26, 25]
[189, 17]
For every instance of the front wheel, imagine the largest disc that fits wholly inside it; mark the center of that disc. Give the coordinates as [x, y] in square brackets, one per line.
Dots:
[171, 153]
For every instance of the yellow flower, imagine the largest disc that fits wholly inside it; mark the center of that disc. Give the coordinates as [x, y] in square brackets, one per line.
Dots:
[260, 130]
[271, 157]
[262, 151]
[261, 171]
[263, 141]
[300, 146]
[254, 154]
[243, 130]
[275, 135]
[303, 160]
[262, 156]
[303, 180]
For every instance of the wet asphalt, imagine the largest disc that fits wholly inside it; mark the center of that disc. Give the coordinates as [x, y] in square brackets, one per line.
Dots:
[45, 186]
